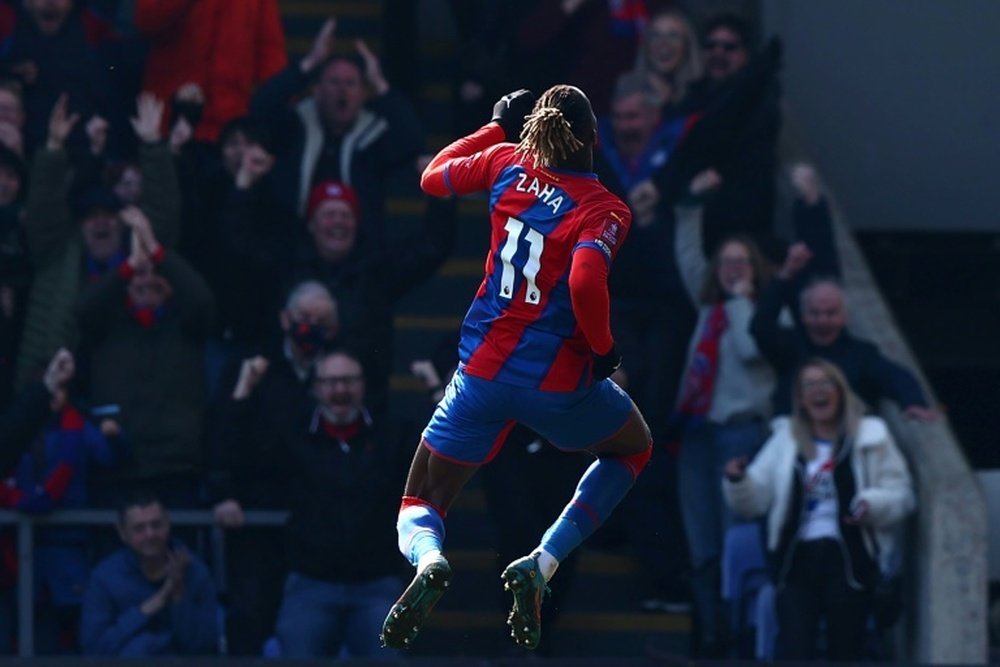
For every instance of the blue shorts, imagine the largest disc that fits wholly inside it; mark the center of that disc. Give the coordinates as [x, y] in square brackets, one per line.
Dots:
[473, 419]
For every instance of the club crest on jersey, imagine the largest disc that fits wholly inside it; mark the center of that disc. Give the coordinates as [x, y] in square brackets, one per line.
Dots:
[542, 190]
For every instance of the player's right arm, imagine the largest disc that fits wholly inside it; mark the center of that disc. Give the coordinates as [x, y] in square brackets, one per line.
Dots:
[462, 166]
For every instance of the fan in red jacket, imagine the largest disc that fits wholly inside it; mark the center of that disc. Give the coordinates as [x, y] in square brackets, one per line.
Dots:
[224, 46]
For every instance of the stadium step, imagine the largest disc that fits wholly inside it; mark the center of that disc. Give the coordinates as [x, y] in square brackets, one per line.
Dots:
[600, 615]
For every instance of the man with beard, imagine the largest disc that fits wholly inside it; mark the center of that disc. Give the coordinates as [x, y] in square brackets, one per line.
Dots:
[354, 129]
[346, 468]
[266, 403]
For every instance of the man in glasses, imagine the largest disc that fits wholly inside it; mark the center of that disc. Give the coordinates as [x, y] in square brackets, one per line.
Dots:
[266, 398]
[346, 469]
[745, 202]
[725, 48]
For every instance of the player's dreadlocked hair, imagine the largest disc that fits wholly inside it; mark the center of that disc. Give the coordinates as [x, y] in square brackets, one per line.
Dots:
[559, 126]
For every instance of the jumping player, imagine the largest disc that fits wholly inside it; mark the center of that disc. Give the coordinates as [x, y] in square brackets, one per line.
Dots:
[536, 347]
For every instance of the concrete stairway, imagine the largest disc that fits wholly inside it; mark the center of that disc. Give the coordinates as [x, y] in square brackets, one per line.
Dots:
[600, 616]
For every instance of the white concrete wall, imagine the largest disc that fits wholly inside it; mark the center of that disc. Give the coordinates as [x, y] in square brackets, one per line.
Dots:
[898, 102]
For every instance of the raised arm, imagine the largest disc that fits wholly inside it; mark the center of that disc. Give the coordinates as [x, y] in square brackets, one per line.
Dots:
[161, 191]
[48, 221]
[462, 166]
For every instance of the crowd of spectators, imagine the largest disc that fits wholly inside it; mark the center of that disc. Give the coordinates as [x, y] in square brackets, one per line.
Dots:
[198, 276]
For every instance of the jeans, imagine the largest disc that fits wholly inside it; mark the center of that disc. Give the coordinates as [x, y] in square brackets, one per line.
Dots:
[816, 588]
[705, 449]
[323, 619]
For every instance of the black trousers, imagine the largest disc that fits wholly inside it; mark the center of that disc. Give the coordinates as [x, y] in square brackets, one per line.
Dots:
[816, 589]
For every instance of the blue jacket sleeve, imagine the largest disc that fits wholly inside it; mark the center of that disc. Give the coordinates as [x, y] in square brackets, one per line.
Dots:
[194, 618]
[893, 381]
[103, 631]
[21, 422]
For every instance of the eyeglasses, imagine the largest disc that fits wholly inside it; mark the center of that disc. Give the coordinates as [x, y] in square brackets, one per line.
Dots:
[724, 45]
[333, 380]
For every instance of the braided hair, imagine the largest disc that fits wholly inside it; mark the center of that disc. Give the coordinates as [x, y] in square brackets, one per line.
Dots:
[561, 124]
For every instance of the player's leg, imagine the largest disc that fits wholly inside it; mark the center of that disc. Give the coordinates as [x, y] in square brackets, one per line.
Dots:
[467, 429]
[622, 453]
[431, 487]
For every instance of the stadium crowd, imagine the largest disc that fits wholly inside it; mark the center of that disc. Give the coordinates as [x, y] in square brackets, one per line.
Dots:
[198, 279]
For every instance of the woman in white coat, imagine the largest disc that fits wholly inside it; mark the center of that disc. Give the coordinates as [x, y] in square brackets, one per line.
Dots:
[833, 485]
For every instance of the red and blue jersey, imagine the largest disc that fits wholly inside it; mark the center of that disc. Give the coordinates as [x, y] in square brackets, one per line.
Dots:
[521, 328]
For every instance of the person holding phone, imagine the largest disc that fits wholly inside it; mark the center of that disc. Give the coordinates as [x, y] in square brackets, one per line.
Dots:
[834, 487]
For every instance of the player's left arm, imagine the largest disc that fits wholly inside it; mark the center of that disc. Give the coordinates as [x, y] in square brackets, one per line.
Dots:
[596, 248]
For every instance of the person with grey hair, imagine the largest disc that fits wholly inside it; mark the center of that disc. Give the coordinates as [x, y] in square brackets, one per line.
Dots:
[833, 486]
[266, 396]
[821, 331]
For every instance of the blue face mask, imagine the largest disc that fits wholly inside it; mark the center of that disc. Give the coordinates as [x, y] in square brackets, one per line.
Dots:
[308, 337]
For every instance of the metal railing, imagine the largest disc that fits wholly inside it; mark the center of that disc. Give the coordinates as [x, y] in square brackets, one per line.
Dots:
[26, 524]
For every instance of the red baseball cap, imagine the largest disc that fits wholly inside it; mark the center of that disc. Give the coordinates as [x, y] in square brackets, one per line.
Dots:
[333, 191]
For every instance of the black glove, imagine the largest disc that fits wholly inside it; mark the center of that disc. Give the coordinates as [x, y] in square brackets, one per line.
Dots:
[510, 110]
[608, 363]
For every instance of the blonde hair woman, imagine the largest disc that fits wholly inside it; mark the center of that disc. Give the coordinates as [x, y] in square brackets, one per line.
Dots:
[834, 486]
[670, 56]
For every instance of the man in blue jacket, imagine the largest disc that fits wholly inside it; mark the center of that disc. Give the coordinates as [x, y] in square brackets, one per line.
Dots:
[151, 597]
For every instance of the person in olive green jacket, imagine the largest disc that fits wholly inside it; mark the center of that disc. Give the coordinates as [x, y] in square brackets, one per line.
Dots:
[67, 250]
[143, 327]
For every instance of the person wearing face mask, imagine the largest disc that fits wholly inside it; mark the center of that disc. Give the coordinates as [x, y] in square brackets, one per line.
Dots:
[724, 399]
[346, 468]
[144, 327]
[265, 400]
[833, 486]
[368, 284]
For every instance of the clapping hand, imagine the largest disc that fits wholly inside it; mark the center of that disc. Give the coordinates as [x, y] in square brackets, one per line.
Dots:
[178, 561]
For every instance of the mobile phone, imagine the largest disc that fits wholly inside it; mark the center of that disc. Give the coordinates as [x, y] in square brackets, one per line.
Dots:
[106, 411]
